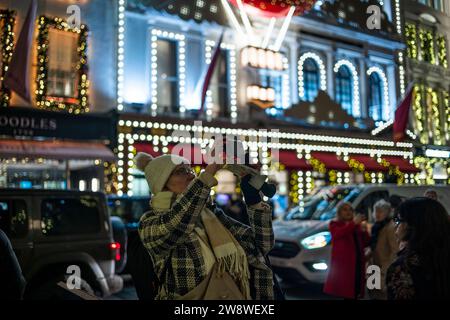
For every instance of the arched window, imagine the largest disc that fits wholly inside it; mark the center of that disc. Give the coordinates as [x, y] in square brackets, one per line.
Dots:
[344, 88]
[311, 76]
[375, 97]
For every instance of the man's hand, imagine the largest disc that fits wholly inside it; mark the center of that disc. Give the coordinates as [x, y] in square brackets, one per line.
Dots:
[358, 218]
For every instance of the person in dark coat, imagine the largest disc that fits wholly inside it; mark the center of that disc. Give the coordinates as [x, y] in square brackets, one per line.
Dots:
[140, 266]
[12, 282]
[347, 268]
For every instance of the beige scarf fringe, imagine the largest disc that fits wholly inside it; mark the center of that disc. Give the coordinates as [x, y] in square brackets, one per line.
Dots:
[229, 254]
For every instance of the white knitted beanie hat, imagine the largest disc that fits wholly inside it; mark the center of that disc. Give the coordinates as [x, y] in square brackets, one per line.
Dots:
[158, 170]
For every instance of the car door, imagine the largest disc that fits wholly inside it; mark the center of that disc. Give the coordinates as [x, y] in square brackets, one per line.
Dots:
[16, 222]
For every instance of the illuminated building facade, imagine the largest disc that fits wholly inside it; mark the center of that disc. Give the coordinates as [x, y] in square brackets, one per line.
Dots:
[427, 35]
[318, 94]
[63, 138]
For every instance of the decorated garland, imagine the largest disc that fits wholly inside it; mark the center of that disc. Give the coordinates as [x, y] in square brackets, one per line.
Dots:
[411, 40]
[294, 190]
[317, 165]
[359, 167]
[80, 103]
[442, 51]
[7, 18]
[394, 170]
[427, 46]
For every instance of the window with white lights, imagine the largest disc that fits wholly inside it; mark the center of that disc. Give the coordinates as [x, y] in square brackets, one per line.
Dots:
[220, 86]
[273, 80]
[63, 60]
[375, 97]
[311, 79]
[344, 88]
[168, 80]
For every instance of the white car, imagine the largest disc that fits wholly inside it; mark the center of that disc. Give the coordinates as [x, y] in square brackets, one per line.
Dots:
[302, 241]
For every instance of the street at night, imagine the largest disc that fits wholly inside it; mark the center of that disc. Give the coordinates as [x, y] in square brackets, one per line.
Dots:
[282, 152]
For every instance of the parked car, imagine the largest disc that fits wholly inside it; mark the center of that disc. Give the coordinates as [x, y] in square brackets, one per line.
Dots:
[127, 211]
[51, 230]
[302, 241]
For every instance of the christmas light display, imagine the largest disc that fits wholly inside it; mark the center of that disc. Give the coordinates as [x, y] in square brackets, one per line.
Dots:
[7, 19]
[78, 104]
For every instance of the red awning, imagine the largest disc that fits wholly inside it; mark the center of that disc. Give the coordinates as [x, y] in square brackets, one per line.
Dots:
[58, 150]
[331, 161]
[290, 161]
[370, 164]
[402, 164]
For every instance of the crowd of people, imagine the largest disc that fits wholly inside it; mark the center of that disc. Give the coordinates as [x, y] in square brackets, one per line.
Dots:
[409, 242]
[187, 247]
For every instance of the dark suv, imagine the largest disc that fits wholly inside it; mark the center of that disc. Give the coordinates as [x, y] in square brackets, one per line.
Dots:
[51, 230]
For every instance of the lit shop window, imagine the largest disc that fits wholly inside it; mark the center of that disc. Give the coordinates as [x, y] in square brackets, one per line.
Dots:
[269, 85]
[344, 88]
[62, 64]
[167, 93]
[220, 89]
[375, 97]
[62, 73]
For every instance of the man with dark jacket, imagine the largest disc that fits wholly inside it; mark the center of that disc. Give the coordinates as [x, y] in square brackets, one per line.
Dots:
[140, 267]
[11, 278]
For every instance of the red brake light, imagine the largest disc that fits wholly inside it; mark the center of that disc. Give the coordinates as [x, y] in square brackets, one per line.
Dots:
[116, 246]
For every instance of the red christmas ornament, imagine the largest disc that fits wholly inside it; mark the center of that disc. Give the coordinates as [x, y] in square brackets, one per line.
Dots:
[274, 8]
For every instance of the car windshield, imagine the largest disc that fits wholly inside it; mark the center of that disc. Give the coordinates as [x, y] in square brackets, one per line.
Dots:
[322, 206]
[129, 209]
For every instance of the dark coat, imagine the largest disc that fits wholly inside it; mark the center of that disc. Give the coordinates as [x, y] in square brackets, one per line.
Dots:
[11, 279]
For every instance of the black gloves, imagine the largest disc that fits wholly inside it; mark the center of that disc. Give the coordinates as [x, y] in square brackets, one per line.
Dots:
[252, 196]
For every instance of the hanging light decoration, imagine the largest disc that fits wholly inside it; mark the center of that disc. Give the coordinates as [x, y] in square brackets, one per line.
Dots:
[274, 8]
[270, 9]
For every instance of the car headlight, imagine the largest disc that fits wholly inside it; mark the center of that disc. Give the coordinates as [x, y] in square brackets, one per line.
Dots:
[318, 240]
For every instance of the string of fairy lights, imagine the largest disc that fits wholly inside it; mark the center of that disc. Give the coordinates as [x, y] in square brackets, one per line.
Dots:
[383, 77]
[7, 20]
[158, 134]
[80, 105]
[181, 48]
[231, 57]
[356, 109]
[323, 74]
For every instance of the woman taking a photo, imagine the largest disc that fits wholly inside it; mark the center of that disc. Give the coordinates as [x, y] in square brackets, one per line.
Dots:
[198, 252]
[422, 268]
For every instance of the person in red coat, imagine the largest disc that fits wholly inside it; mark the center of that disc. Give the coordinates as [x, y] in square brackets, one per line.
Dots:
[347, 269]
